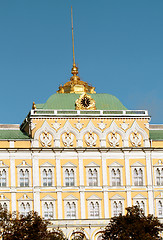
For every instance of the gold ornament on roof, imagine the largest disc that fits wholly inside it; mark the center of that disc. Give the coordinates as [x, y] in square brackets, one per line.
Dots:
[34, 106]
[75, 85]
[85, 102]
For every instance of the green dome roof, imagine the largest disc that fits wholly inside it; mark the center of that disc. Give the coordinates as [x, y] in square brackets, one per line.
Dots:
[67, 101]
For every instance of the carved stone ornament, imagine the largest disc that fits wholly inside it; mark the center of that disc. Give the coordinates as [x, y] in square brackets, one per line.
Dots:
[135, 139]
[46, 139]
[91, 139]
[85, 102]
[146, 125]
[102, 125]
[33, 125]
[56, 125]
[114, 139]
[67, 139]
[124, 125]
[79, 125]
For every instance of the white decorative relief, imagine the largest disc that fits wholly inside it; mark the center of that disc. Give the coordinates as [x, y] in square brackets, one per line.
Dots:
[124, 125]
[146, 125]
[33, 125]
[56, 125]
[79, 125]
[102, 125]
[67, 139]
[46, 139]
[90, 139]
[114, 139]
[135, 139]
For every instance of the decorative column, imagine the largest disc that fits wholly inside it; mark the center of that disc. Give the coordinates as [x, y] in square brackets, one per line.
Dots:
[149, 182]
[58, 187]
[127, 174]
[104, 179]
[36, 184]
[81, 184]
[13, 183]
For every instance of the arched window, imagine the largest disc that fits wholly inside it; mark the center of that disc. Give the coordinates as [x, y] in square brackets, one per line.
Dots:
[48, 210]
[141, 205]
[71, 210]
[115, 177]
[69, 177]
[24, 178]
[94, 210]
[92, 177]
[159, 176]
[117, 208]
[138, 177]
[3, 179]
[24, 209]
[160, 210]
[47, 177]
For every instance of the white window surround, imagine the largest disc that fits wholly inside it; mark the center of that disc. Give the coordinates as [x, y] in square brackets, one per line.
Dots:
[138, 166]
[140, 198]
[69, 166]
[158, 166]
[94, 199]
[118, 199]
[24, 166]
[26, 201]
[70, 199]
[93, 166]
[4, 200]
[48, 199]
[158, 199]
[47, 166]
[5, 167]
[115, 166]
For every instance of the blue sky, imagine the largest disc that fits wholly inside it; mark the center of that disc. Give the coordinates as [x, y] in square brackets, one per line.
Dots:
[118, 48]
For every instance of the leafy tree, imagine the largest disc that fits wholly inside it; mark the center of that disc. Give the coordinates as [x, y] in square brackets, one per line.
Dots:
[134, 225]
[20, 227]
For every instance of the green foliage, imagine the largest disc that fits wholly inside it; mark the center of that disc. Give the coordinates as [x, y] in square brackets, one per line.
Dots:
[134, 225]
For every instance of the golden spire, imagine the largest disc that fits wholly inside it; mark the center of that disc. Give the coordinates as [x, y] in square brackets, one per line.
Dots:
[75, 85]
[74, 70]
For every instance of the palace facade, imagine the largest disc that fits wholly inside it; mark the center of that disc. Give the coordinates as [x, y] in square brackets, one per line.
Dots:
[81, 158]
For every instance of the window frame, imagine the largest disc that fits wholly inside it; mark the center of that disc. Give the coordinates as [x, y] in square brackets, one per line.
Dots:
[69, 166]
[48, 199]
[47, 166]
[70, 199]
[116, 166]
[93, 166]
[117, 198]
[138, 166]
[4, 167]
[94, 199]
[24, 166]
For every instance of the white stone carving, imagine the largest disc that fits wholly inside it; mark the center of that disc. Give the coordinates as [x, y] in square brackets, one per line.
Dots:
[67, 139]
[102, 125]
[114, 139]
[79, 125]
[56, 125]
[33, 125]
[90, 139]
[146, 125]
[135, 139]
[46, 139]
[124, 125]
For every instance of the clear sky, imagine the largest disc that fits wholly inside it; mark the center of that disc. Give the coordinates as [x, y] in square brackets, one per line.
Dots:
[118, 48]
